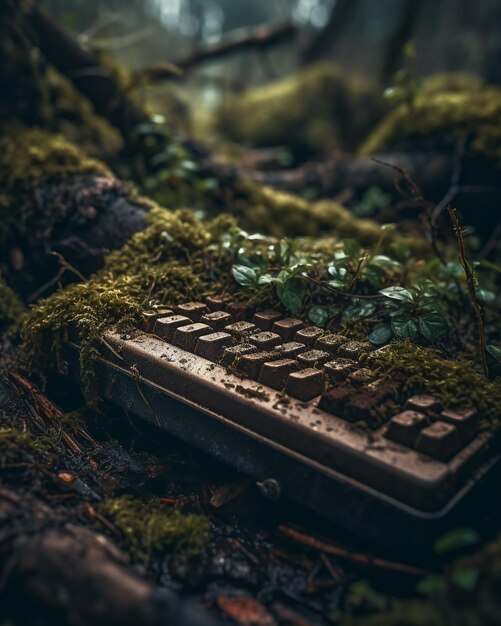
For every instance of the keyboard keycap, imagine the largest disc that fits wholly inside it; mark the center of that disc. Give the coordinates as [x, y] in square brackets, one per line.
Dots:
[354, 349]
[290, 349]
[287, 328]
[274, 373]
[186, 336]
[265, 340]
[405, 427]
[150, 317]
[250, 365]
[313, 358]
[217, 319]
[439, 441]
[465, 420]
[305, 384]
[211, 347]
[330, 342]
[193, 310]
[241, 330]
[265, 319]
[165, 327]
[231, 354]
[309, 335]
[423, 403]
[339, 369]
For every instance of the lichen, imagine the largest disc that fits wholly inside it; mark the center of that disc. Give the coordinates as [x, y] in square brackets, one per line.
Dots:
[440, 120]
[149, 527]
[325, 109]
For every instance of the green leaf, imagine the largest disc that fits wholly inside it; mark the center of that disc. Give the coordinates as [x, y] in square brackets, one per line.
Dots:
[351, 247]
[318, 315]
[456, 539]
[384, 261]
[381, 334]
[485, 296]
[397, 293]
[494, 350]
[432, 326]
[465, 578]
[404, 327]
[291, 294]
[432, 586]
[265, 279]
[244, 276]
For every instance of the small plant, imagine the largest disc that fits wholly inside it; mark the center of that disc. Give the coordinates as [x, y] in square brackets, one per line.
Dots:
[414, 313]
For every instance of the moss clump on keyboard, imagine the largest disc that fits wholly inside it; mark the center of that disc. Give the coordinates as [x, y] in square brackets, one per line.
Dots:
[11, 306]
[149, 527]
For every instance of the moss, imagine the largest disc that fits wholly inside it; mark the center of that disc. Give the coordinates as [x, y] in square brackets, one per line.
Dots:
[28, 159]
[166, 263]
[279, 214]
[455, 383]
[439, 120]
[16, 446]
[323, 108]
[150, 527]
[11, 306]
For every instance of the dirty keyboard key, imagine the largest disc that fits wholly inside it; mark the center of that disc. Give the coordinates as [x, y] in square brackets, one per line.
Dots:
[361, 376]
[287, 328]
[354, 349]
[165, 327]
[265, 340]
[186, 336]
[290, 349]
[334, 401]
[423, 403]
[305, 384]
[405, 427]
[216, 303]
[274, 373]
[217, 320]
[330, 342]
[313, 358]
[150, 317]
[233, 353]
[465, 420]
[439, 441]
[241, 330]
[250, 365]
[265, 319]
[339, 369]
[211, 346]
[193, 310]
[309, 335]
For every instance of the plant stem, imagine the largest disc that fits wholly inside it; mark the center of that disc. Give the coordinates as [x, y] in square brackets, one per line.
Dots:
[470, 280]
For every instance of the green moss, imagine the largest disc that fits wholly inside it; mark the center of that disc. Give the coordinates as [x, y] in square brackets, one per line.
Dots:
[314, 111]
[11, 306]
[28, 159]
[280, 214]
[455, 383]
[166, 263]
[17, 446]
[439, 120]
[150, 527]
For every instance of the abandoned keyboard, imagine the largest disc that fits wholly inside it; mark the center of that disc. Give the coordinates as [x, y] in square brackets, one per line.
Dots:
[287, 403]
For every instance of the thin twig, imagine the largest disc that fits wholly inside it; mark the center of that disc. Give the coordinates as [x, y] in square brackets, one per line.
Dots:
[470, 280]
[357, 557]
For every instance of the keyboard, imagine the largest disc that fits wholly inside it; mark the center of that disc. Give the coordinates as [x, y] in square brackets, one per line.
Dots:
[288, 403]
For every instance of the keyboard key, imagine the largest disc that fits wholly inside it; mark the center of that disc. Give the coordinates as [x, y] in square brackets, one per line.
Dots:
[354, 349]
[361, 376]
[150, 317]
[305, 384]
[216, 303]
[274, 373]
[193, 310]
[287, 328]
[241, 330]
[250, 364]
[186, 336]
[334, 400]
[165, 327]
[265, 340]
[405, 427]
[330, 342]
[309, 335]
[265, 319]
[239, 312]
[290, 349]
[423, 403]
[313, 358]
[465, 420]
[339, 369]
[217, 319]
[440, 441]
[211, 347]
[231, 354]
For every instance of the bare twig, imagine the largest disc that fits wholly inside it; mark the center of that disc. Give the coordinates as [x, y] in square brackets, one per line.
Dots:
[366, 560]
[470, 280]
